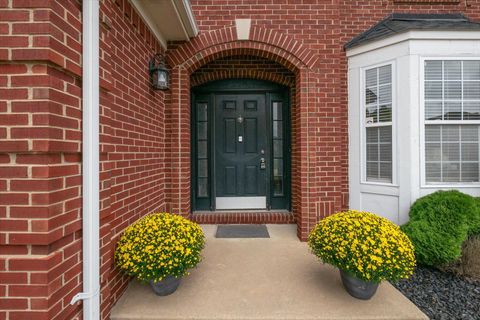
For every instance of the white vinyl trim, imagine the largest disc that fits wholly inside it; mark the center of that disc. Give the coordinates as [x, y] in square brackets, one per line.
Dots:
[191, 18]
[423, 122]
[413, 35]
[151, 25]
[232, 203]
[177, 7]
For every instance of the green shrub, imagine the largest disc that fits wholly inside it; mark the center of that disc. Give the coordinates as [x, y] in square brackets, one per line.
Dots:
[449, 208]
[476, 229]
[440, 223]
[434, 247]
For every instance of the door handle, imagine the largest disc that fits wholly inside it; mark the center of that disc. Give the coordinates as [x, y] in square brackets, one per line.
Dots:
[262, 163]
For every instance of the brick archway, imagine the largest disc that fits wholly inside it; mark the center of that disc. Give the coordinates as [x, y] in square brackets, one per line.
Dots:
[243, 67]
[196, 80]
[264, 43]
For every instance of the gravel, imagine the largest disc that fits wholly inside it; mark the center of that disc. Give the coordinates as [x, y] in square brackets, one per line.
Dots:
[442, 295]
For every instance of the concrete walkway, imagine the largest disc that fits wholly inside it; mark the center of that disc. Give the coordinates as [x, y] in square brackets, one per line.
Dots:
[249, 279]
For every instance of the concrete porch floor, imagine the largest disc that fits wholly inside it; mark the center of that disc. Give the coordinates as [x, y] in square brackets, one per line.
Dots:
[276, 278]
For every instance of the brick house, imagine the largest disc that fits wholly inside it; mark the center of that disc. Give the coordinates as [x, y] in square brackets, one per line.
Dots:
[276, 112]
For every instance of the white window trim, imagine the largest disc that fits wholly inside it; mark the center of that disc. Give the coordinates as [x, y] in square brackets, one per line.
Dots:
[422, 122]
[393, 123]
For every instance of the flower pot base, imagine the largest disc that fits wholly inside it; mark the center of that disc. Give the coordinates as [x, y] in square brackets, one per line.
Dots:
[166, 286]
[358, 288]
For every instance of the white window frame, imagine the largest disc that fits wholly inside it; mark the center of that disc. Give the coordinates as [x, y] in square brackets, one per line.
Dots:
[363, 131]
[422, 122]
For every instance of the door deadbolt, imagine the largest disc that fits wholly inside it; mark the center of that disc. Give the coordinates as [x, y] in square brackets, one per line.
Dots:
[262, 163]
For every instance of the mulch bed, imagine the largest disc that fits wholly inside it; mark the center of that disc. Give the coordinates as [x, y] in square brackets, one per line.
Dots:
[442, 295]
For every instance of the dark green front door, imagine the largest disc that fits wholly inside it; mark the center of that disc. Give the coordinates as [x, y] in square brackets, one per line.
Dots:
[240, 146]
[241, 151]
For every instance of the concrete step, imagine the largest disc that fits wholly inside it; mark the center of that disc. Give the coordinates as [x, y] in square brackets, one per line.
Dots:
[275, 278]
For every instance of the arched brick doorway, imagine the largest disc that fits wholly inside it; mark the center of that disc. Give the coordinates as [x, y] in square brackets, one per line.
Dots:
[265, 44]
[265, 176]
[240, 147]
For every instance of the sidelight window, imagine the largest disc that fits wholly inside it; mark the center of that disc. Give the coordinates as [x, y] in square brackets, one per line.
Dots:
[278, 141]
[202, 150]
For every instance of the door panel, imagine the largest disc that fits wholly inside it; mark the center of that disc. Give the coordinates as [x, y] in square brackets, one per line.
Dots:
[240, 203]
[251, 180]
[230, 127]
[230, 180]
[239, 143]
[251, 135]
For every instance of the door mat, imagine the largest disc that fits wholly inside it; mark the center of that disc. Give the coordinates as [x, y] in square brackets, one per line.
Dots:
[242, 231]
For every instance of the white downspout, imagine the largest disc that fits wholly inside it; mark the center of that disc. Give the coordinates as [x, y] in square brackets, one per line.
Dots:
[90, 164]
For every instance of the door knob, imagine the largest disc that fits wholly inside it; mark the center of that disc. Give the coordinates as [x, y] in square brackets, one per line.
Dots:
[262, 163]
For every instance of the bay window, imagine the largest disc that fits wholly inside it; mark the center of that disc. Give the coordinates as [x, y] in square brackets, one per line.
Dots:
[378, 124]
[452, 121]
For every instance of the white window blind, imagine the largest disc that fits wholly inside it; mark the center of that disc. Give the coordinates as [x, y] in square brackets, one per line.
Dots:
[378, 124]
[452, 121]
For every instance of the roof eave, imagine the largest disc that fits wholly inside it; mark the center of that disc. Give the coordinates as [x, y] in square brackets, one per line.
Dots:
[413, 35]
[183, 20]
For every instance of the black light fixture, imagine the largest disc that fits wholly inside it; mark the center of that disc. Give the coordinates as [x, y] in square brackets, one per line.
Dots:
[159, 75]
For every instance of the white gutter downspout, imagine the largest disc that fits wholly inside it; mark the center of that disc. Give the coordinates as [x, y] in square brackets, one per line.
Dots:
[90, 164]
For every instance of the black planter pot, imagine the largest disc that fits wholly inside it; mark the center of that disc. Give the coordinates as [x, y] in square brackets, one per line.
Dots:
[358, 288]
[166, 286]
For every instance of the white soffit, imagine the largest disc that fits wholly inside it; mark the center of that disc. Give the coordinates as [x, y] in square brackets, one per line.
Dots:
[413, 35]
[169, 20]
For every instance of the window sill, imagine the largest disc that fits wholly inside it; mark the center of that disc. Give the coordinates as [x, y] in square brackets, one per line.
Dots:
[452, 185]
[379, 184]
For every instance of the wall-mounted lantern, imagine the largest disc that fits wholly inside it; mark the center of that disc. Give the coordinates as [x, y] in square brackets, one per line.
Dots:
[159, 75]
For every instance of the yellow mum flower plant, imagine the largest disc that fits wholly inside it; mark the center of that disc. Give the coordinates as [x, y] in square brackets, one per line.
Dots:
[365, 245]
[159, 245]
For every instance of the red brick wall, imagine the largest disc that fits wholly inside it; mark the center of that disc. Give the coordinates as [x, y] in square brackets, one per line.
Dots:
[322, 28]
[145, 152]
[318, 181]
[134, 148]
[40, 258]
[40, 145]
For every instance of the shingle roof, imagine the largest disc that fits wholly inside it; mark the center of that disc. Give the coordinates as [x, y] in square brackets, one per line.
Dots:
[401, 22]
